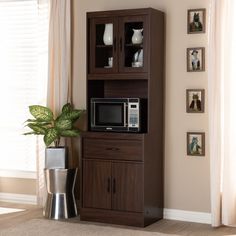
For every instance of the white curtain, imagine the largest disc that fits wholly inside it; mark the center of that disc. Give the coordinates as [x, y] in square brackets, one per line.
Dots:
[59, 67]
[59, 83]
[222, 110]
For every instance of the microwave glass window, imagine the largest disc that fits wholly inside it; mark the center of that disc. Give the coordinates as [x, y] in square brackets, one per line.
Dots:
[110, 114]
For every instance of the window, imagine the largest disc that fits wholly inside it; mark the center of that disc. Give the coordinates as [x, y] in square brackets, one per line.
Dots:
[23, 77]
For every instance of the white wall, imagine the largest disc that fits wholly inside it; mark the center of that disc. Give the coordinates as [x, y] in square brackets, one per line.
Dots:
[187, 178]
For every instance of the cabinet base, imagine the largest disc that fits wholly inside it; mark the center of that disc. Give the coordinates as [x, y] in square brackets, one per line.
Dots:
[113, 217]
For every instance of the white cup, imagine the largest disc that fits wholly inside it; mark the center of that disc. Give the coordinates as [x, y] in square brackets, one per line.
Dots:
[110, 61]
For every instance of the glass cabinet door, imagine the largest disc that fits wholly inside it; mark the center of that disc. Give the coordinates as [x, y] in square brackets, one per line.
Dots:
[103, 45]
[133, 44]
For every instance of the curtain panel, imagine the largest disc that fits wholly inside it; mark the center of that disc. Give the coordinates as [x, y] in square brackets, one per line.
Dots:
[59, 69]
[222, 110]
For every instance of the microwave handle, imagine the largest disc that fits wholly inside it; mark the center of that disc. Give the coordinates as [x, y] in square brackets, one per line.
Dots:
[125, 114]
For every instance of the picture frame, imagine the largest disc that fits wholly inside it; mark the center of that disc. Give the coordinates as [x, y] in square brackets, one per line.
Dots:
[195, 59]
[195, 144]
[196, 21]
[195, 100]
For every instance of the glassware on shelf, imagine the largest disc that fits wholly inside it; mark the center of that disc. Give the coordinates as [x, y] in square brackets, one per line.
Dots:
[138, 59]
[110, 62]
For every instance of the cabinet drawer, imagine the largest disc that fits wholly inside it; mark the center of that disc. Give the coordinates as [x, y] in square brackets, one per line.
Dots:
[113, 149]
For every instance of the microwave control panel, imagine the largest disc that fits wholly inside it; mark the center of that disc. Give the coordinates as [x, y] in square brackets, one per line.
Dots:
[133, 115]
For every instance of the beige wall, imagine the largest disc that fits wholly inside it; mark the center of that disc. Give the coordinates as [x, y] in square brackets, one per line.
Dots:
[186, 178]
[19, 186]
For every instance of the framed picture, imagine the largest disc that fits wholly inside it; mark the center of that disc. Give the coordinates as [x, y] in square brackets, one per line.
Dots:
[195, 59]
[196, 21]
[195, 100]
[195, 144]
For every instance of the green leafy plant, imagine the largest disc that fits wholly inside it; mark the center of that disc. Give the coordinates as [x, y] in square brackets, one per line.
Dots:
[52, 128]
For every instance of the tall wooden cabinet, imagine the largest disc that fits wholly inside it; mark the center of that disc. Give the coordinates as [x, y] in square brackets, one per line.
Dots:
[122, 173]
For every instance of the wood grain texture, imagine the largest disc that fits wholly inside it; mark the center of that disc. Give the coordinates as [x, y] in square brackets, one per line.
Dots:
[127, 88]
[112, 217]
[128, 189]
[110, 135]
[153, 144]
[96, 184]
[115, 149]
[146, 83]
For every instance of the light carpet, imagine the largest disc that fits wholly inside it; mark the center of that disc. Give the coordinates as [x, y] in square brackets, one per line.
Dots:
[43, 227]
[6, 210]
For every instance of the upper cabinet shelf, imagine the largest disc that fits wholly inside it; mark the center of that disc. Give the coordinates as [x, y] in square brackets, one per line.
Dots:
[118, 43]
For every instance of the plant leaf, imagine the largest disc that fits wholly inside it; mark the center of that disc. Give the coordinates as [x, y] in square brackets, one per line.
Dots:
[70, 133]
[67, 108]
[29, 133]
[63, 124]
[37, 128]
[41, 113]
[41, 122]
[50, 136]
[72, 115]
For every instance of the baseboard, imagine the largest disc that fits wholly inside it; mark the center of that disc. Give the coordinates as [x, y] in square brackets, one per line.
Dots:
[18, 198]
[18, 174]
[170, 214]
[189, 216]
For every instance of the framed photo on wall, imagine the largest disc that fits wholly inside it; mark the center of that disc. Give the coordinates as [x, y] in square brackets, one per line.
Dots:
[196, 59]
[195, 144]
[195, 100]
[196, 21]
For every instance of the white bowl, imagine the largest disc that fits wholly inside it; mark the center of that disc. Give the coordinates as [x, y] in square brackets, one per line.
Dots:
[137, 64]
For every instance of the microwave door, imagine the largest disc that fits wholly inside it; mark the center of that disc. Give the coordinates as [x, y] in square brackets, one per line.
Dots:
[110, 116]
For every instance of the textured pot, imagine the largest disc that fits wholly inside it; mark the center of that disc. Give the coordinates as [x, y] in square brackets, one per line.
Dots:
[56, 157]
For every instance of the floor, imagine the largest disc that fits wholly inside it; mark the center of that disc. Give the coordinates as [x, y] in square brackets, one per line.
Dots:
[163, 226]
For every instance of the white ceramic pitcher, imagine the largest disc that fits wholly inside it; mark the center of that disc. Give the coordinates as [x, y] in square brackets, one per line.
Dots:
[137, 37]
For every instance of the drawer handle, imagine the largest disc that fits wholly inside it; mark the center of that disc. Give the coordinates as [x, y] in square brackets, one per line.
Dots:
[112, 149]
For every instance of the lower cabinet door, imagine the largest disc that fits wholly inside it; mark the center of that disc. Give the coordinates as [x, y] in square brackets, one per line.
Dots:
[127, 187]
[96, 184]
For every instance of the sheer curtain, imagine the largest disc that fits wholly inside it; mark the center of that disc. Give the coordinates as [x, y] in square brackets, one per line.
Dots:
[59, 66]
[222, 110]
[59, 83]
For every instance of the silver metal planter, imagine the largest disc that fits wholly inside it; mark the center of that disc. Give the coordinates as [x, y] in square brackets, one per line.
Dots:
[56, 157]
[60, 185]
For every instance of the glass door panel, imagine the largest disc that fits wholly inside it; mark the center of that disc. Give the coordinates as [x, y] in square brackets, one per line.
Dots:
[103, 49]
[133, 47]
[133, 31]
[104, 45]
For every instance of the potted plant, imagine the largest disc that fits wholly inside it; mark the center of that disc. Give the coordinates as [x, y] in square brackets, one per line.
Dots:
[44, 123]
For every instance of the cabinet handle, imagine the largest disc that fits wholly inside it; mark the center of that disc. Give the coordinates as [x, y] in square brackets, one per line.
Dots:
[108, 185]
[120, 44]
[114, 43]
[112, 149]
[114, 185]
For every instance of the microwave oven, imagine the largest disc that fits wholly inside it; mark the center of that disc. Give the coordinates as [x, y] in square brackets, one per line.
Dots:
[118, 114]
